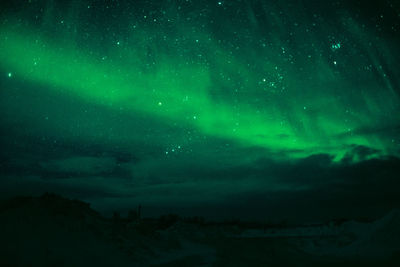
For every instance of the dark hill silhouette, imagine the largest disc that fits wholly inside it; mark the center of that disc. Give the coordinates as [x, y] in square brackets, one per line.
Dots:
[54, 231]
[51, 204]
[51, 230]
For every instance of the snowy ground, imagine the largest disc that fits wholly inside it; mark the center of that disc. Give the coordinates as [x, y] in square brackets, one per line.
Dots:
[52, 231]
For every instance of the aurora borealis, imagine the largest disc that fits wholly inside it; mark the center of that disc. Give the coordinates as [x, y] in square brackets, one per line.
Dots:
[199, 102]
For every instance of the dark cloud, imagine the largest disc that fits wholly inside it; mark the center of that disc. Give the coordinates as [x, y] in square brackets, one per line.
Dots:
[315, 187]
[359, 153]
[84, 166]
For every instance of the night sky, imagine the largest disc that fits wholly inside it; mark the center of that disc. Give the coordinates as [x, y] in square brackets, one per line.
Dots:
[262, 110]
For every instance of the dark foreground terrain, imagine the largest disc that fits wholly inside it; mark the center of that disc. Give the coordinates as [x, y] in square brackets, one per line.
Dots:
[54, 231]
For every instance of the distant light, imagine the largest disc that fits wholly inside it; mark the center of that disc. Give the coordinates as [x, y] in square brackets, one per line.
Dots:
[9, 75]
[160, 103]
[334, 62]
[220, 3]
[336, 46]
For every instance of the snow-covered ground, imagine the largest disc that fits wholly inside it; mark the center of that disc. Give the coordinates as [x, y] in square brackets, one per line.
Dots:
[52, 231]
[378, 239]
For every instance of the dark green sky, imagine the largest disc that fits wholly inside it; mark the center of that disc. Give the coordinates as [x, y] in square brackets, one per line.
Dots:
[228, 108]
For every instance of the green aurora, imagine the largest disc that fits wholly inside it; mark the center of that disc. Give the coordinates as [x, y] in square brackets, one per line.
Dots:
[274, 97]
[197, 82]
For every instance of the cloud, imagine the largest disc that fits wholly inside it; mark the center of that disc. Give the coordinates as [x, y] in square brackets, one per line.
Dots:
[80, 165]
[359, 153]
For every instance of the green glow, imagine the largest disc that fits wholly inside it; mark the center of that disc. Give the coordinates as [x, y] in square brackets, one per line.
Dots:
[267, 103]
[254, 105]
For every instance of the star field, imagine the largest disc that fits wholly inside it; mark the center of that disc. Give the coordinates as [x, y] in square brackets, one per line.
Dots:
[200, 83]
